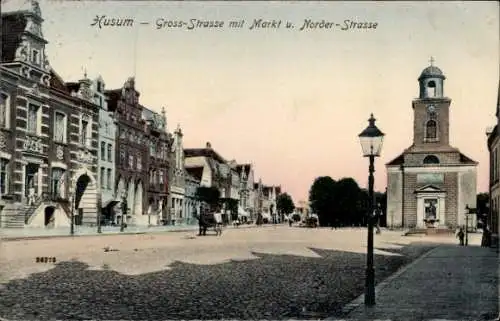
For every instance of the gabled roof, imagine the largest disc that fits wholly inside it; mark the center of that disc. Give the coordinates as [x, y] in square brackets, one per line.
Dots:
[397, 161]
[203, 152]
[56, 82]
[467, 160]
[400, 160]
[428, 188]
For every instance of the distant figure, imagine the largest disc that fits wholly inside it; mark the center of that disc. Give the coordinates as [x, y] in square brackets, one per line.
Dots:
[31, 196]
[486, 240]
[378, 214]
[460, 236]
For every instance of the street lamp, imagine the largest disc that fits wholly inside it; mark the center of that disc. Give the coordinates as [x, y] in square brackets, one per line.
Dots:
[72, 223]
[371, 143]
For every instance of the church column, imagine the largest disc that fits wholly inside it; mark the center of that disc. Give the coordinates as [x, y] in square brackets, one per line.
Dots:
[442, 211]
[420, 211]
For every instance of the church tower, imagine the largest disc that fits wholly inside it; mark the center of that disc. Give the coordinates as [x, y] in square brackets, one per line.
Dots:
[431, 182]
[431, 111]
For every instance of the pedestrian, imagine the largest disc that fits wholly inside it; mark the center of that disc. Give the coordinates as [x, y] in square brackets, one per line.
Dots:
[377, 214]
[460, 236]
[486, 240]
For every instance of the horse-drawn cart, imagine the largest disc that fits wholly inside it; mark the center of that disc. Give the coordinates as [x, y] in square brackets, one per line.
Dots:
[209, 221]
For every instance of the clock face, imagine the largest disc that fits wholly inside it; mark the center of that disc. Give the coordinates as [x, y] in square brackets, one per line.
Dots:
[431, 108]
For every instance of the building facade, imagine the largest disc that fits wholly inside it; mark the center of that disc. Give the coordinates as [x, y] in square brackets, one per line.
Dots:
[158, 165]
[131, 152]
[106, 155]
[493, 143]
[246, 206]
[191, 201]
[48, 133]
[430, 184]
[179, 212]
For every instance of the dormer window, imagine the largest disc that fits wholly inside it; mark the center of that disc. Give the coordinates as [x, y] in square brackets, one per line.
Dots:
[100, 87]
[35, 56]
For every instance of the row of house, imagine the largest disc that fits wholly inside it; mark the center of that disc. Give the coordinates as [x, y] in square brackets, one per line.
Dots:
[77, 149]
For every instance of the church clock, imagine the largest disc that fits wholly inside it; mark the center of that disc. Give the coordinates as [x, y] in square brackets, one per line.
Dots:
[431, 108]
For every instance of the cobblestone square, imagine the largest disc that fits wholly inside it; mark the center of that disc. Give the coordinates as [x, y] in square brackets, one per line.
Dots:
[261, 273]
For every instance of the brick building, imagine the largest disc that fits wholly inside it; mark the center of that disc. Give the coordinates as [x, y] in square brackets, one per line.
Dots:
[430, 183]
[159, 142]
[48, 133]
[494, 181]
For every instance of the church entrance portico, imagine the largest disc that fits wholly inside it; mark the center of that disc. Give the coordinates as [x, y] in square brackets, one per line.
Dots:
[431, 207]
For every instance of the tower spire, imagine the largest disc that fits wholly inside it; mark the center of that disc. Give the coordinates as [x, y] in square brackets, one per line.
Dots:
[431, 60]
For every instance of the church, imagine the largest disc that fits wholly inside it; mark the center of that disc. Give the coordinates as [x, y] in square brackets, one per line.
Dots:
[431, 183]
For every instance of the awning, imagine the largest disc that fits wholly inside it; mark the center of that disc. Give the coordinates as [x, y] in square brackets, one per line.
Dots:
[111, 203]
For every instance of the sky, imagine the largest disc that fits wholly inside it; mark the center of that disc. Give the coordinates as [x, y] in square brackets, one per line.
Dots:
[291, 102]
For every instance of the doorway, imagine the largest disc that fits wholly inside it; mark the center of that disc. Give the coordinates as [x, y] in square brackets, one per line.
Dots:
[31, 181]
[49, 217]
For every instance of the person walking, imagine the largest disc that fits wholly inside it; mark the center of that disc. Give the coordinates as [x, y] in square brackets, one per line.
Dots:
[460, 236]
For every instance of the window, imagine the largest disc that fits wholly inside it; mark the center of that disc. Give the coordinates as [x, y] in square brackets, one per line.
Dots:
[431, 89]
[160, 176]
[110, 185]
[139, 163]
[32, 118]
[110, 158]
[56, 181]
[122, 157]
[431, 129]
[103, 179]
[103, 150]
[4, 176]
[84, 133]
[35, 56]
[60, 127]
[431, 159]
[130, 161]
[4, 110]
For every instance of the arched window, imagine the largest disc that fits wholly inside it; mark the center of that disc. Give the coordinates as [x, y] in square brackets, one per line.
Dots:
[431, 159]
[431, 129]
[431, 89]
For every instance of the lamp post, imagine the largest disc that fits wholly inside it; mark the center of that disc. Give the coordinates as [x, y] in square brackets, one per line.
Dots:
[371, 140]
[99, 210]
[72, 223]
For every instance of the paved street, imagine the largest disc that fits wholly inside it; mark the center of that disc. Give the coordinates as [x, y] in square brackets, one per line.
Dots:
[276, 272]
[448, 283]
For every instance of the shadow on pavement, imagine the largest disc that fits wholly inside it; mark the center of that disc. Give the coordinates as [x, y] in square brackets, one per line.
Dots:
[271, 287]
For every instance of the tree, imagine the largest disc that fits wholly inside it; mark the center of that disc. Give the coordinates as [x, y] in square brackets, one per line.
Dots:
[209, 195]
[322, 199]
[347, 197]
[284, 204]
[482, 204]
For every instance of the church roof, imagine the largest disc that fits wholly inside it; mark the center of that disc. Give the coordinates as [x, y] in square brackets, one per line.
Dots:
[397, 161]
[464, 160]
[431, 72]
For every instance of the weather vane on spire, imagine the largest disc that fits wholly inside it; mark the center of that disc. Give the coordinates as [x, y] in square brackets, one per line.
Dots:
[431, 61]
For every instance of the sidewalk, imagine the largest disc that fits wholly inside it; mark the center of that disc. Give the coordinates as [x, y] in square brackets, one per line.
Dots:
[448, 283]
[13, 234]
